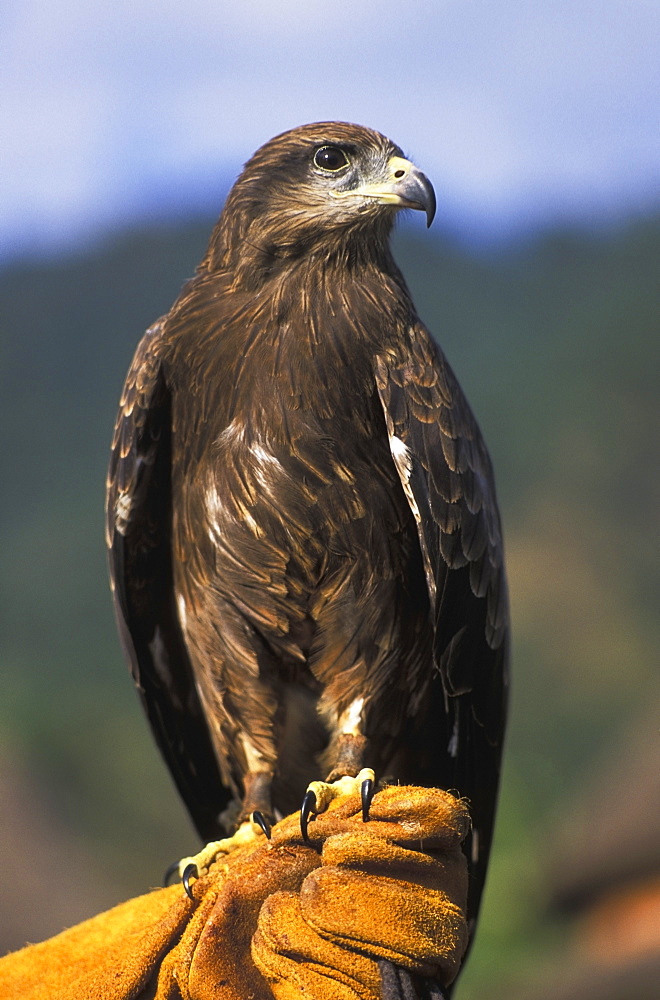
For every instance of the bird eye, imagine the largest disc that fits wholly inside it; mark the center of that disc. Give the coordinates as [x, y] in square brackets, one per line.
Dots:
[330, 158]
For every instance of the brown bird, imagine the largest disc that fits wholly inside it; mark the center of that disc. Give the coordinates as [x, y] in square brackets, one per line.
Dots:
[304, 539]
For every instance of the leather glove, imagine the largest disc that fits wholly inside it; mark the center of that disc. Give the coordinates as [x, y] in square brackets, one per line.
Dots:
[394, 888]
[281, 917]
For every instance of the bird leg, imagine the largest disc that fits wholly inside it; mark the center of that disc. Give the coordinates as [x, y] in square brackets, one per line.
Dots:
[351, 749]
[256, 797]
[255, 819]
[347, 777]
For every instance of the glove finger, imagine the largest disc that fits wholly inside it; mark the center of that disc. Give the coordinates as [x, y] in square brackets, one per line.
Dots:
[428, 815]
[412, 925]
[297, 962]
[446, 869]
[219, 950]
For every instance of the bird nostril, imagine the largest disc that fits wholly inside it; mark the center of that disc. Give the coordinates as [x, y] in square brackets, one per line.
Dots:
[399, 173]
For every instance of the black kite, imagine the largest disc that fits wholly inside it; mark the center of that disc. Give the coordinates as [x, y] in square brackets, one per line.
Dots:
[304, 538]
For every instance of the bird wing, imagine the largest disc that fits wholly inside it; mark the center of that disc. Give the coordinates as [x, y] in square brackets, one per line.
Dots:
[138, 532]
[446, 474]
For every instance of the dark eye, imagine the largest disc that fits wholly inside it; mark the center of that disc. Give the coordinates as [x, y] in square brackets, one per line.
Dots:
[330, 158]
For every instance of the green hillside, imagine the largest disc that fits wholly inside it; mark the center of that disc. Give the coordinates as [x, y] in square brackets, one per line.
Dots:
[556, 344]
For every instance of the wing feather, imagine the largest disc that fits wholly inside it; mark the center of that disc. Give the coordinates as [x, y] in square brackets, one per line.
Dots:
[448, 480]
[138, 525]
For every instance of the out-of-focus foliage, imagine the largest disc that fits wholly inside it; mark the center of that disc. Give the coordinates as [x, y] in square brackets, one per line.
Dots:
[555, 344]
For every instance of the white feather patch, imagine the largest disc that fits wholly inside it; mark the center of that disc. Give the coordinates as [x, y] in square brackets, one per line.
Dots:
[263, 456]
[123, 512]
[350, 721]
[214, 503]
[215, 512]
[255, 761]
[403, 460]
[402, 457]
[232, 432]
[264, 466]
[181, 605]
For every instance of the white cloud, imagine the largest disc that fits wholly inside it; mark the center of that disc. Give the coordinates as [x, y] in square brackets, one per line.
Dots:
[508, 105]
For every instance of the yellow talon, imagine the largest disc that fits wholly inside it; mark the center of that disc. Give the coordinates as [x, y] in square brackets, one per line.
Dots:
[247, 832]
[320, 794]
[325, 791]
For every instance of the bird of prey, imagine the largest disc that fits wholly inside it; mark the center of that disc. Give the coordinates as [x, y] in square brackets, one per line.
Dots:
[304, 539]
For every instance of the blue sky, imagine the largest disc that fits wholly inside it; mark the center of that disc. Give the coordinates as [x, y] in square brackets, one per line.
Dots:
[521, 111]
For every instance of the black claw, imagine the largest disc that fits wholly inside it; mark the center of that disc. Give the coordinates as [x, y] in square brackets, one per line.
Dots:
[190, 871]
[307, 808]
[167, 877]
[260, 820]
[366, 794]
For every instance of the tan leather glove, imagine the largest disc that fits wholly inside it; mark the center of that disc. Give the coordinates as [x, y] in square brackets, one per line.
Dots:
[394, 888]
[280, 917]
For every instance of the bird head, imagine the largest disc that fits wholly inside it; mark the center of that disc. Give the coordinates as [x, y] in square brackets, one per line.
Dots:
[316, 187]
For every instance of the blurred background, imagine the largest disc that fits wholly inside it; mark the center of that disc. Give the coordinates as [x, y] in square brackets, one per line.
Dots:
[123, 126]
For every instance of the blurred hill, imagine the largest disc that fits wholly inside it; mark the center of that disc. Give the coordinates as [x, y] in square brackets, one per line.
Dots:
[556, 345]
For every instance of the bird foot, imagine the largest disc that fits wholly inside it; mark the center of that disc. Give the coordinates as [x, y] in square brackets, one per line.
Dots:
[198, 864]
[320, 794]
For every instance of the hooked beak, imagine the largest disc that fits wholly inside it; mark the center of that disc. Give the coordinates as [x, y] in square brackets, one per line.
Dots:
[406, 187]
